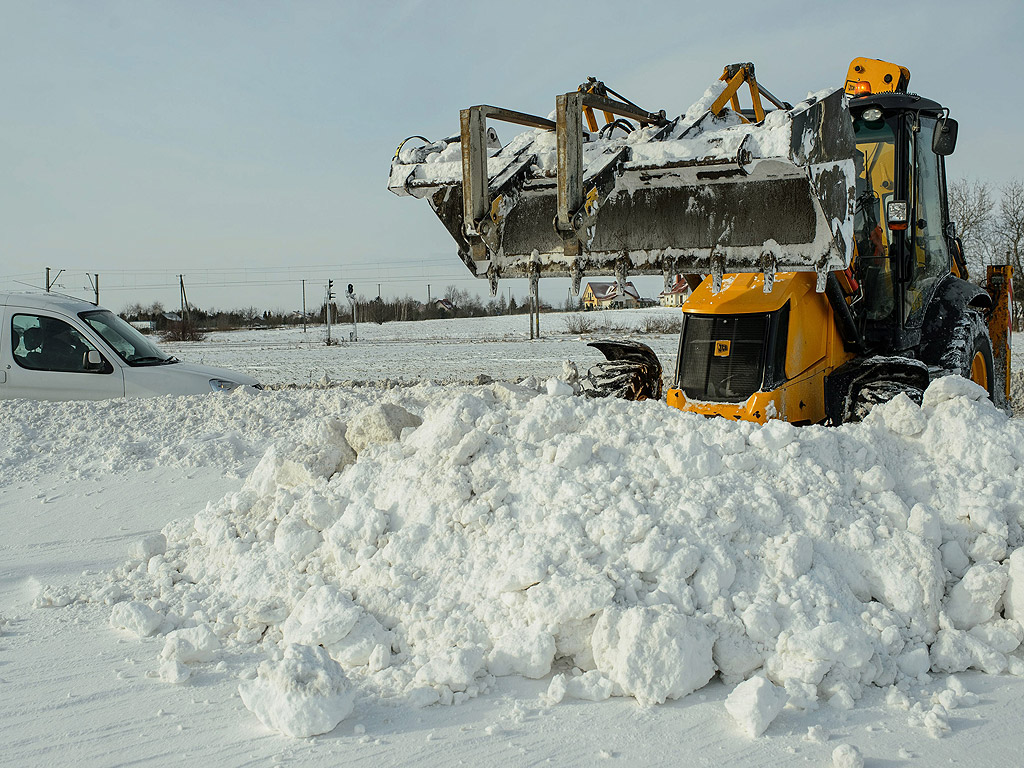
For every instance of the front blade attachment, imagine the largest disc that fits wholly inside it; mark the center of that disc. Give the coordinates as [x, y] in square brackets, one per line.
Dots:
[631, 371]
[700, 194]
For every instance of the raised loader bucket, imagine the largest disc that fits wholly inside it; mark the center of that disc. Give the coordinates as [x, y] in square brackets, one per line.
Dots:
[707, 193]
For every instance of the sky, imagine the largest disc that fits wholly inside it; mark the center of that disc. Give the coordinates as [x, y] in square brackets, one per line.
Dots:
[246, 146]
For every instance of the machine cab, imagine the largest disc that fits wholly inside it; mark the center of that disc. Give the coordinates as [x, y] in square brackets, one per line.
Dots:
[904, 243]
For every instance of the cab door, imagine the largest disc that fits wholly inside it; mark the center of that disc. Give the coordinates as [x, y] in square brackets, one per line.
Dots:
[927, 244]
[44, 356]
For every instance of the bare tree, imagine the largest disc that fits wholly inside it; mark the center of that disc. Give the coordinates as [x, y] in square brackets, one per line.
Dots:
[971, 207]
[1008, 239]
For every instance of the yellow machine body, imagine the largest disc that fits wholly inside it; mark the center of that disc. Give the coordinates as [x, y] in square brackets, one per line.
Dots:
[813, 346]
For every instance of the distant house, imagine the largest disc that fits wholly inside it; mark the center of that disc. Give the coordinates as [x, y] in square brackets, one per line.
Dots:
[676, 295]
[146, 326]
[607, 296]
[444, 305]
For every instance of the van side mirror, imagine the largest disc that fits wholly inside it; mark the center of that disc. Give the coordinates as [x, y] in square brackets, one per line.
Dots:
[944, 138]
[93, 360]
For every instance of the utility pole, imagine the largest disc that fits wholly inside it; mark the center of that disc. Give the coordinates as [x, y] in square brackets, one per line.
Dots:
[303, 306]
[50, 283]
[428, 291]
[184, 306]
[378, 290]
[95, 286]
[330, 297]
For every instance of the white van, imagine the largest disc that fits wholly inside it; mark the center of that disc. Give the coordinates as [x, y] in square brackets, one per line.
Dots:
[59, 348]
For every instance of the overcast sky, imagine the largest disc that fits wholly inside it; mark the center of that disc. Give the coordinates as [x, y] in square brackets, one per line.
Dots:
[251, 141]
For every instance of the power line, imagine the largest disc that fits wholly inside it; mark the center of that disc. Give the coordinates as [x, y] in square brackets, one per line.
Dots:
[440, 260]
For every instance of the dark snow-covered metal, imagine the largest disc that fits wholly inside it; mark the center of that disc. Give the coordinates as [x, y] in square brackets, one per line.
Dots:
[631, 371]
[699, 196]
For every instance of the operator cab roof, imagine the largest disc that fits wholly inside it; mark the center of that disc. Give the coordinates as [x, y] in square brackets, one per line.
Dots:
[893, 102]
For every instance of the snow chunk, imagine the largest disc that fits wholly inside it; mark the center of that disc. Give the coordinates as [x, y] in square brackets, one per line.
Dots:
[145, 548]
[573, 452]
[754, 704]
[304, 694]
[949, 387]
[876, 480]
[527, 652]
[653, 654]
[293, 464]
[1013, 599]
[137, 618]
[557, 388]
[191, 644]
[957, 651]
[847, 756]
[174, 672]
[324, 616]
[974, 599]
[590, 686]
[379, 424]
[773, 436]
[295, 537]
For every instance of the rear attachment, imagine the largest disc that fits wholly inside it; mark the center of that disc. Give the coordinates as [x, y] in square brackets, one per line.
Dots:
[632, 371]
[715, 190]
[999, 285]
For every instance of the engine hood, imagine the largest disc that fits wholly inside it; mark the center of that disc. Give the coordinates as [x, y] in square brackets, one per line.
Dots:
[178, 379]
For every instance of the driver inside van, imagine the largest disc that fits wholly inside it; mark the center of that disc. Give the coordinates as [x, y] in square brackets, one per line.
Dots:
[60, 348]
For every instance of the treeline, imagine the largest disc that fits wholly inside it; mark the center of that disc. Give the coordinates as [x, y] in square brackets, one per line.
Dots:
[989, 220]
[454, 303]
[163, 319]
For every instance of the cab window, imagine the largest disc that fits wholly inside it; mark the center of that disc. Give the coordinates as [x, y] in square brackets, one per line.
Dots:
[41, 343]
[876, 184]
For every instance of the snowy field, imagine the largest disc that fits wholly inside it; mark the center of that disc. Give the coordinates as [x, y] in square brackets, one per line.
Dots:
[471, 574]
[448, 351]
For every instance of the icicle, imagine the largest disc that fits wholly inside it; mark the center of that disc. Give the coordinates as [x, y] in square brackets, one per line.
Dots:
[492, 279]
[668, 274]
[622, 273]
[769, 264]
[717, 271]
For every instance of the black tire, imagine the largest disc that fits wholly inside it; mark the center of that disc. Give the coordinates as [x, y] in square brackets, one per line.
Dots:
[880, 391]
[970, 341]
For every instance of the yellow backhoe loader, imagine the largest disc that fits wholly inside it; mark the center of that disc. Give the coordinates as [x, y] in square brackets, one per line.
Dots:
[825, 273]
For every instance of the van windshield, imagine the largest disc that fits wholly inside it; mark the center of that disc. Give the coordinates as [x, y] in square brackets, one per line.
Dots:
[132, 346]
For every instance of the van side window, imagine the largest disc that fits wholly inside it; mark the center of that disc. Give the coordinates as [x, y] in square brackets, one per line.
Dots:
[42, 343]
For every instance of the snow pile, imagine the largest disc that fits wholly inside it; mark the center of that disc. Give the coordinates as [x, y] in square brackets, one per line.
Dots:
[627, 548]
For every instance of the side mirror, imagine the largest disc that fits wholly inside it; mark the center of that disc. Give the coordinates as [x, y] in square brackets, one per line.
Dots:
[944, 138]
[93, 360]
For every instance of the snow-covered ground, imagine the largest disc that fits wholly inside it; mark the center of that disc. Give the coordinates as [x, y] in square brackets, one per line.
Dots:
[505, 572]
[450, 351]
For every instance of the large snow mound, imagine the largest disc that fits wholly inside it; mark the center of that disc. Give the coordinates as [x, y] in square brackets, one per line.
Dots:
[627, 548]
